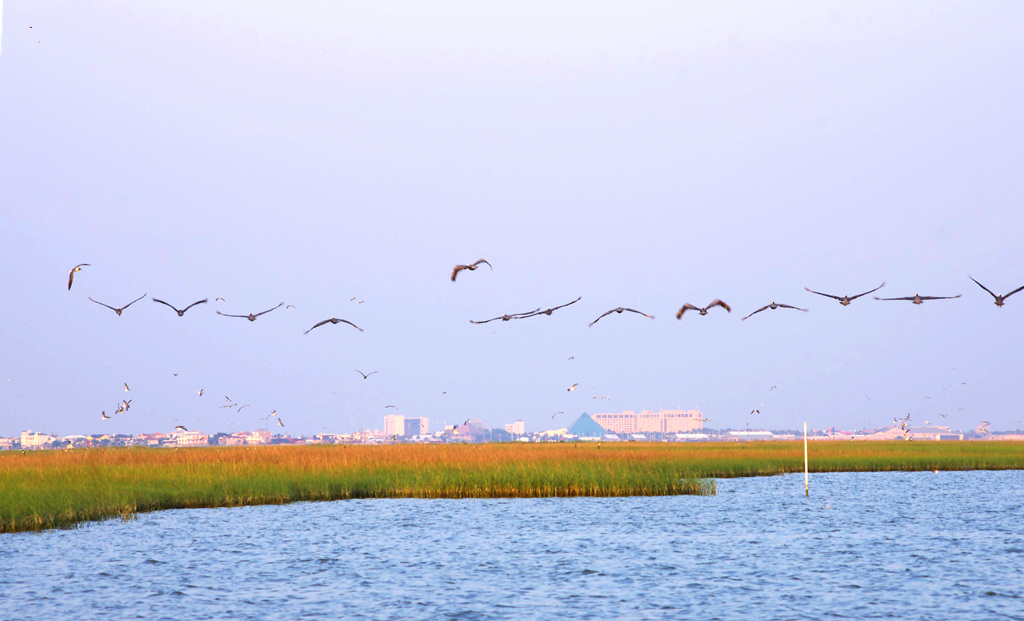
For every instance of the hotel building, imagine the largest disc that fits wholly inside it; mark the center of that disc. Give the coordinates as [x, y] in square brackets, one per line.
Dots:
[665, 421]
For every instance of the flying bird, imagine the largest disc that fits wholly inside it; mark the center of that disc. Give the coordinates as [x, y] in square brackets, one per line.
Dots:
[71, 274]
[918, 299]
[240, 408]
[556, 414]
[365, 375]
[126, 389]
[702, 311]
[846, 299]
[619, 311]
[773, 306]
[550, 310]
[334, 320]
[470, 267]
[251, 316]
[573, 387]
[279, 422]
[389, 406]
[999, 298]
[118, 310]
[200, 392]
[180, 311]
[508, 317]
[180, 428]
[104, 415]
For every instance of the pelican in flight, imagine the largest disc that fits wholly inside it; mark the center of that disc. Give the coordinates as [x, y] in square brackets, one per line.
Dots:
[279, 423]
[118, 310]
[619, 310]
[919, 299]
[702, 311]
[180, 311]
[508, 317]
[999, 298]
[846, 299]
[365, 375]
[251, 316]
[180, 428]
[71, 275]
[334, 320]
[104, 415]
[470, 267]
[551, 310]
[773, 306]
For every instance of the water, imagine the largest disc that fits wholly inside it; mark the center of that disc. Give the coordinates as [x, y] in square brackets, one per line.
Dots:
[869, 545]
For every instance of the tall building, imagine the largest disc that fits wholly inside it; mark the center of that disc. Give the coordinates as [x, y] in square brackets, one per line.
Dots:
[417, 426]
[665, 421]
[517, 428]
[394, 425]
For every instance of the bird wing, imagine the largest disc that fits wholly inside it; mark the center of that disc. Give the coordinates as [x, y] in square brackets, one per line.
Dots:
[983, 287]
[166, 304]
[317, 325]
[939, 297]
[107, 305]
[455, 272]
[193, 304]
[134, 301]
[479, 261]
[485, 320]
[351, 324]
[243, 316]
[685, 307]
[268, 310]
[1012, 292]
[71, 274]
[755, 312]
[907, 298]
[638, 312]
[544, 312]
[599, 318]
[867, 292]
[827, 295]
[793, 307]
[718, 302]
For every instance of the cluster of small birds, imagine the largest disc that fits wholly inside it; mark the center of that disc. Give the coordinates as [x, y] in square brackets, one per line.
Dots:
[844, 300]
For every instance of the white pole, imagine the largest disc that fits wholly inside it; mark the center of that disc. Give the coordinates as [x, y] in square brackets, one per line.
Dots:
[807, 490]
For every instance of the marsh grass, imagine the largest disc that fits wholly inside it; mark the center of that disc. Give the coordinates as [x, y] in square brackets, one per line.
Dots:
[56, 489]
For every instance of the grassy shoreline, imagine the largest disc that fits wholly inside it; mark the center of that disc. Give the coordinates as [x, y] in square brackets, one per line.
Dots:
[59, 489]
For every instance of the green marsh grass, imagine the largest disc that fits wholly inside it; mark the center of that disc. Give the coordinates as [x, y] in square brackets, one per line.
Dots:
[57, 489]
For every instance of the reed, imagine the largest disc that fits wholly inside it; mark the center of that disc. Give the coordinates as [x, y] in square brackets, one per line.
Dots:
[57, 489]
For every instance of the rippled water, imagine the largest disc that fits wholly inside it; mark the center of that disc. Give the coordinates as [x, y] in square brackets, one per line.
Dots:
[869, 545]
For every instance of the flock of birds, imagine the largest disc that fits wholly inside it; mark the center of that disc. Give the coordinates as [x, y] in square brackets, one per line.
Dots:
[844, 300]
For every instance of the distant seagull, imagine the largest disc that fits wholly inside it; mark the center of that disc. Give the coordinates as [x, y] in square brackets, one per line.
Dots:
[274, 413]
[126, 389]
[773, 306]
[365, 375]
[180, 311]
[571, 357]
[573, 387]
[918, 299]
[118, 310]
[508, 317]
[556, 414]
[219, 300]
[470, 267]
[71, 274]
[240, 408]
[180, 428]
[999, 298]
[772, 388]
[846, 299]
[619, 310]
[334, 320]
[702, 311]
[550, 310]
[127, 404]
[389, 406]
[289, 306]
[755, 411]
[279, 422]
[200, 392]
[104, 415]
[251, 316]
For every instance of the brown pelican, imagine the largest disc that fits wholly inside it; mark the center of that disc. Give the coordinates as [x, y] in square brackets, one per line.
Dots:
[846, 299]
[71, 275]
[619, 311]
[251, 316]
[180, 428]
[334, 320]
[181, 312]
[365, 375]
[773, 306]
[470, 267]
[919, 299]
[118, 310]
[551, 310]
[508, 317]
[702, 311]
[999, 298]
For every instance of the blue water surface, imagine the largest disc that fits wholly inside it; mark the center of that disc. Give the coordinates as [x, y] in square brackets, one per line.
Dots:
[924, 545]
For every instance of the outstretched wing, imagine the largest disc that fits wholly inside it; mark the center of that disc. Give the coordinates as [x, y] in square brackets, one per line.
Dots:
[134, 301]
[638, 312]
[939, 297]
[455, 272]
[479, 261]
[718, 302]
[1012, 292]
[485, 320]
[166, 304]
[317, 325]
[107, 305]
[193, 304]
[227, 315]
[269, 309]
[351, 324]
[71, 274]
[827, 295]
[599, 318]
[907, 298]
[793, 307]
[755, 312]
[686, 307]
[983, 287]
[867, 292]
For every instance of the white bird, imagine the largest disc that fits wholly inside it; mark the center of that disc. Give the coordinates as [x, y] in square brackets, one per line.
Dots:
[573, 387]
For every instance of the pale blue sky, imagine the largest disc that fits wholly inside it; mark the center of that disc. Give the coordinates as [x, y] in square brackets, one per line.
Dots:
[642, 155]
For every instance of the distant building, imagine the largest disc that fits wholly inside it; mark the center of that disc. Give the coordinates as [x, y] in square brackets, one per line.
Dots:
[260, 436]
[394, 425]
[7, 444]
[33, 440]
[517, 428]
[665, 421]
[416, 426]
[191, 438]
[585, 428]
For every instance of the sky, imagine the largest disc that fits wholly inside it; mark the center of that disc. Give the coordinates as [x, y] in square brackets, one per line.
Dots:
[642, 155]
